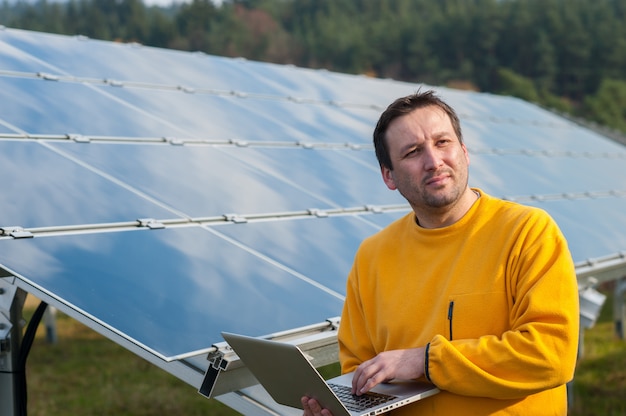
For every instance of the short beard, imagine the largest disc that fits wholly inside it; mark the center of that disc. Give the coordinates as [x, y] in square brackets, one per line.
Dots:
[443, 200]
[440, 201]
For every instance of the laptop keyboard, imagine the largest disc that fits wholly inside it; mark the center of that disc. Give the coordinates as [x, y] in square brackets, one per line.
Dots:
[358, 403]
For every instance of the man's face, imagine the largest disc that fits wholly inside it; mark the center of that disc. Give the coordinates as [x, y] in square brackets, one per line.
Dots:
[430, 165]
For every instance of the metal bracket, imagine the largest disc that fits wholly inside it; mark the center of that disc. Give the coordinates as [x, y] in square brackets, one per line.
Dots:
[150, 223]
[374, 208]
[48, 77]
[79, 138]
[318, 213]
[227, 373]
[237, 219]
[590, 301]
[188, 90]
[15, 232]
[176, 142]
[114, 82]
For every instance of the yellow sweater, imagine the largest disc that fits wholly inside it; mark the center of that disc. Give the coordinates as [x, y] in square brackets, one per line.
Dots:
[494, 297]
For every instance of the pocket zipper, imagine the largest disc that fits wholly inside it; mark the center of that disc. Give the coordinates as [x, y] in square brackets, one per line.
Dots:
[450, 311]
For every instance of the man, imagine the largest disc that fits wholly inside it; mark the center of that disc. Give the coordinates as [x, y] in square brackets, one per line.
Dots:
[475, 294]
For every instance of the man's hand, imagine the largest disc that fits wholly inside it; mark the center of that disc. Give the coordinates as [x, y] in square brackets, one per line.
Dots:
[386, 366]
[313, 408]
[400, 364]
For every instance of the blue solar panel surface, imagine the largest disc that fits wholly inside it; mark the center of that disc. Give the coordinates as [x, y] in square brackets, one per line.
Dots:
[261, 179]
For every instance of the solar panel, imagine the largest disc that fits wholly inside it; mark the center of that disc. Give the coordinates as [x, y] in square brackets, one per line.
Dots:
[183, 177]
[41, 188]
[171, 290]
[174, 195]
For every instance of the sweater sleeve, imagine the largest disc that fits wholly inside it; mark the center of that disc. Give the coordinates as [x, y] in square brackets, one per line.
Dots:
[355, 345]
[539, 350]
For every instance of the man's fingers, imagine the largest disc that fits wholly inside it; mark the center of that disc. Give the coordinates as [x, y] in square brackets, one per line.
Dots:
[372, 382]
[405, 364]
[368, 375]
[305, 406]
[312, 407]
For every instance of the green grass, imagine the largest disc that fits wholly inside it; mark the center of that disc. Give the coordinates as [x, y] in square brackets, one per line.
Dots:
[87, 374]
[600, 380]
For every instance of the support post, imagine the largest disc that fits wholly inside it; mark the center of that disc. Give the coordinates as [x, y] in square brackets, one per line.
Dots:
[619, 309]
[49, 318]
[10, 388]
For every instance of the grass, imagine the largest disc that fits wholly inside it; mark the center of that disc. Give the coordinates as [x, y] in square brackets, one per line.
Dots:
[600, 380]
[87, 374]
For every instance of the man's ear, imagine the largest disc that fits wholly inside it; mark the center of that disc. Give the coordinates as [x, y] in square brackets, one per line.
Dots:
[388, 178]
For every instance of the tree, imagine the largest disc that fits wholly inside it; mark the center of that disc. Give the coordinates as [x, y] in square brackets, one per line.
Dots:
[608, 105]
[510, 83]
[574, 51]
[486, 27]
[193, 22]
[544, 69]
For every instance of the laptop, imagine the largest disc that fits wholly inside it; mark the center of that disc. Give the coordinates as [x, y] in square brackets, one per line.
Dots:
[287, 375]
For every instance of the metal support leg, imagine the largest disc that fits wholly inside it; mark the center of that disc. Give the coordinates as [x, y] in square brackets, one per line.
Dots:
[619, 308]
[10, 389]
[581, 352]
[49, 319]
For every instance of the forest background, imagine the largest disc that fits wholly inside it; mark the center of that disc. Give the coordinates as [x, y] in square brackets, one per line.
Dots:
[568, 55]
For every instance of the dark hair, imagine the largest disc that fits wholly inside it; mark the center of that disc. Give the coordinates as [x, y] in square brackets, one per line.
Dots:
[401, 107]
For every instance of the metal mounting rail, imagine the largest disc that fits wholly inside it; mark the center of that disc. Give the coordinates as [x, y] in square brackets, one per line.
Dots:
[17, 231]
[603, 269]
[226, 372]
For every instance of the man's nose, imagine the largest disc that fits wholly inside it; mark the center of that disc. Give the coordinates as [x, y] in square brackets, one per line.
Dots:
[432, 159]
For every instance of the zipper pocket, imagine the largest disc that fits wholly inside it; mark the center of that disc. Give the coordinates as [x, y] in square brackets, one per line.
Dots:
[450, 313]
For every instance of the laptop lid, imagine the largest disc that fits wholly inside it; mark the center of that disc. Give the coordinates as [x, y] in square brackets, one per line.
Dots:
[287, 375]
